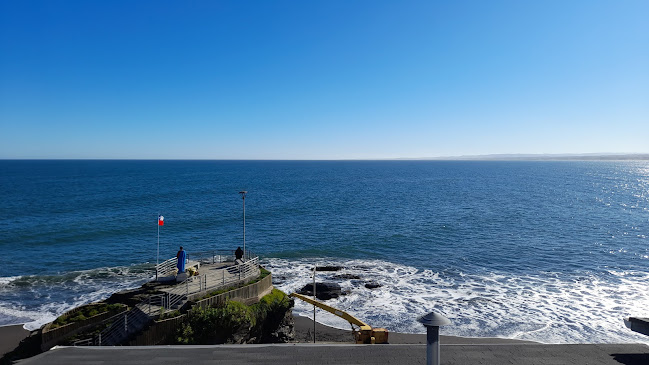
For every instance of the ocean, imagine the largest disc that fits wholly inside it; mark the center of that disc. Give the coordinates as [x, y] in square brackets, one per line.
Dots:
[549, 251]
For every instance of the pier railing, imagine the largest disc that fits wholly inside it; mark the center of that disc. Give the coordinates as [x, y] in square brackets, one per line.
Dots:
[230, 275]
[126, 324]
[168, 267]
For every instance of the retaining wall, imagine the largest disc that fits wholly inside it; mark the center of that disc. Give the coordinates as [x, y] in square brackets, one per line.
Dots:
[51, 336]
[247, 295]
[161, 331]
[158, 333]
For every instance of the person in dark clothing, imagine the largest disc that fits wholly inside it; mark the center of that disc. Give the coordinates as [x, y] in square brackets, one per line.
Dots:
[238, 254]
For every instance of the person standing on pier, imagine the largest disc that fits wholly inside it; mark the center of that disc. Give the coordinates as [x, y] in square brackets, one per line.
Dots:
[181, 256]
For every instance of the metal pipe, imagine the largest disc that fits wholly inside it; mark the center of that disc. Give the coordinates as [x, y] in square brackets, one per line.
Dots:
[432, 321]
[432, 345]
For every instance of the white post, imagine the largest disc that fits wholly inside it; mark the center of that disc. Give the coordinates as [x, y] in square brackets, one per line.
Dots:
[157, 258]
[243, 196]
[244, 227]
[314, 298]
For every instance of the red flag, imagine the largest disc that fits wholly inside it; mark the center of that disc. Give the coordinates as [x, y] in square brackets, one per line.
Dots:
[161, 220]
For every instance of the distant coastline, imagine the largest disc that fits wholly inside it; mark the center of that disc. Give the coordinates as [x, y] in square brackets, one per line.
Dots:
[490, 157]
[542, 157]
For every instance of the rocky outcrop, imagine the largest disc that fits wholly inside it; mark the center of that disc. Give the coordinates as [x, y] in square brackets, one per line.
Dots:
[328, 268]
[323, 291]
[347, 276]
[372, 285]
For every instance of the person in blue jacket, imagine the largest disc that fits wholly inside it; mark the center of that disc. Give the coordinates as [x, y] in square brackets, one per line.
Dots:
[181, 256]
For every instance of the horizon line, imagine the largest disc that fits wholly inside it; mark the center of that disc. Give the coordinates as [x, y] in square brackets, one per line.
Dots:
[485, 157]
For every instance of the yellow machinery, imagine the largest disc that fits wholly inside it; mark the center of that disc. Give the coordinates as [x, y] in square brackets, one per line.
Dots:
[364, 334]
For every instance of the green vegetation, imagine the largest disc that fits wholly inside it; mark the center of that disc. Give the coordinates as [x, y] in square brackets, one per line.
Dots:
[263, 273]
[233, 319]
[84, 313]
[167, 315]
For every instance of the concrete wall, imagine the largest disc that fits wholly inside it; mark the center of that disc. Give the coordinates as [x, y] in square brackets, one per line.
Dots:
[247, 295]
[161, 331]
[51, 336]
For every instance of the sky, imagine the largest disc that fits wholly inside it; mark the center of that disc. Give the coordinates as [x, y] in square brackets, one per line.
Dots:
[322, 79]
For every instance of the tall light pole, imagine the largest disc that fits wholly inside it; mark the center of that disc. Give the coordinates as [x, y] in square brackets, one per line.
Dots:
[315, 268]
[243, 197]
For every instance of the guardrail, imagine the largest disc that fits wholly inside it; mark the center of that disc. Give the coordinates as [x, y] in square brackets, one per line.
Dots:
[198, 284]
[168, 267]
[124, 325]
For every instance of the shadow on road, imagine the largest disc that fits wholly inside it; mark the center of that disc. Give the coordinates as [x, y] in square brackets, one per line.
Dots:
[631, 359]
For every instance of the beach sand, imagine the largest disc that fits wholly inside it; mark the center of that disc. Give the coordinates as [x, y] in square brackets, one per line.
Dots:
[10, 337]
[324, 334]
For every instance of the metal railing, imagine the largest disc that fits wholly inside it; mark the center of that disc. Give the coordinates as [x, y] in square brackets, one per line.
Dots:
[123, 324]
[201, 283]
[126, 323]
[214, 256]
[168, 267]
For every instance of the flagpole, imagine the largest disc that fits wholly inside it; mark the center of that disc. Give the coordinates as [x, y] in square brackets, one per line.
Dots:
[157, 258]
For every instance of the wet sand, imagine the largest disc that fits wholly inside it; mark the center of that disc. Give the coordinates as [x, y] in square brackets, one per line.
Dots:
[326, 334]
[10, 337]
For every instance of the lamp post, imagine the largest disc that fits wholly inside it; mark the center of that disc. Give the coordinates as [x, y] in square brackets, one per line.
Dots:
[243, 197]
[314, 299]
[432, 321]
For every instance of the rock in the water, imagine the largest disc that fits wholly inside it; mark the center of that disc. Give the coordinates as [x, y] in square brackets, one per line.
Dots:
[327, 268]
[347, 276]
[323, 291]
[371, 285]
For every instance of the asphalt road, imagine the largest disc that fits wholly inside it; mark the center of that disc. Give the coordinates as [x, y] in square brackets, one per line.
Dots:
[486, 354]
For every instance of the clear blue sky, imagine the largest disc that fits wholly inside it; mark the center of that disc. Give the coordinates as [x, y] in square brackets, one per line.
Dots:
[322, 79]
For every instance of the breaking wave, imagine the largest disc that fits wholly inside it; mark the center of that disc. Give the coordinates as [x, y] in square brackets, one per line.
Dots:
[545, 307]
[38, 299]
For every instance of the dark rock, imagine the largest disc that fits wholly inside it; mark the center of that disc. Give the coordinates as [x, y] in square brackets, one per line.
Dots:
[324, 291]
[372, 285]
[327, 268]
[128, 297]
[347, 276]
[284, 332]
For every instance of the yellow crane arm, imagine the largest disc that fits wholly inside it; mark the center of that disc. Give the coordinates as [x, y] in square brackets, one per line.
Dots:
[344, 315]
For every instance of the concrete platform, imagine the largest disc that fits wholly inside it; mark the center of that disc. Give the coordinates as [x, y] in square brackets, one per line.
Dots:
[523, 354]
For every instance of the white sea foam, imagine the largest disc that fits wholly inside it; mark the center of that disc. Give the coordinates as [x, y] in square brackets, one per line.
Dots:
[544, 307]
[51, 296]
[8, 279]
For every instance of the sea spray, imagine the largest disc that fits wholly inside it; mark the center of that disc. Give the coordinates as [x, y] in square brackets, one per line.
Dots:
[38, 299]
[547, 307]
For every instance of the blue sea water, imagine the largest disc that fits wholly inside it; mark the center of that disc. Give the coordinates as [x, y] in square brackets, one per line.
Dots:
[552, 251]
